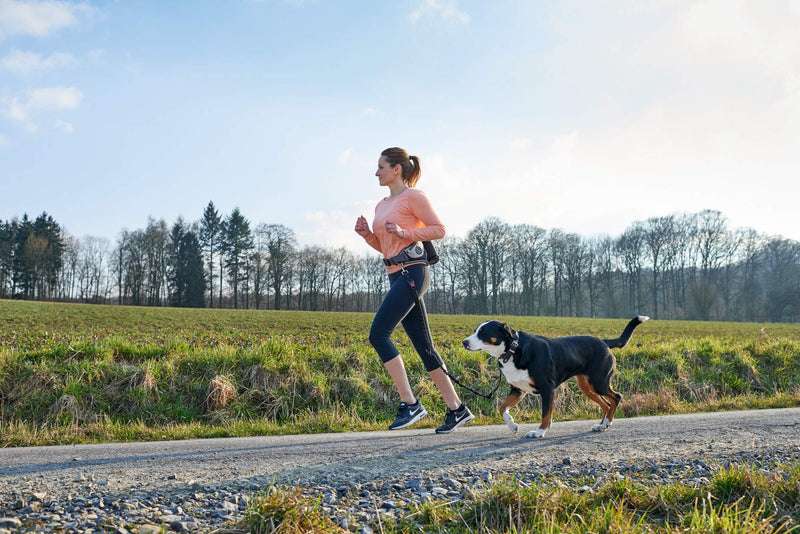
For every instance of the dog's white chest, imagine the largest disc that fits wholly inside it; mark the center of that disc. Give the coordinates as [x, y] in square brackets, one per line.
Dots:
[519, 378]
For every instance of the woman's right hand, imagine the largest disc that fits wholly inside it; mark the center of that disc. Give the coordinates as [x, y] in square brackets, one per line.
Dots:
[362, 227]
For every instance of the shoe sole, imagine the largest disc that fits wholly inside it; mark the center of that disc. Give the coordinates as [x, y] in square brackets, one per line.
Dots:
[462, 422]
[413, 420]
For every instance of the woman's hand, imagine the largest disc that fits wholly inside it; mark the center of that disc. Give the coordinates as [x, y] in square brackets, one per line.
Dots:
[393, 228]
[362, 227]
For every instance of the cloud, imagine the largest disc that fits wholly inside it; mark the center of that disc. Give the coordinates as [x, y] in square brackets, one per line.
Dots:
[443, 9]
[65, 127]
[39, 19]
[55, 98]
[372, 113]
[40, 101]
[345, 156]
[335, 227]
[26, 63]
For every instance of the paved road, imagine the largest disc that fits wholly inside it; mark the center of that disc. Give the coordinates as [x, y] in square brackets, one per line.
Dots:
[250, 462]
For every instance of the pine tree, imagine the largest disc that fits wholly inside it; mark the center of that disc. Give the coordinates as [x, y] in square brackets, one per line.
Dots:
[210, 230]
[238, 242]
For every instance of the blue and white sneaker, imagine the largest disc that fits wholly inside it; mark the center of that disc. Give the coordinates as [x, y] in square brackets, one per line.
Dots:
[455, 418]
[408, 414]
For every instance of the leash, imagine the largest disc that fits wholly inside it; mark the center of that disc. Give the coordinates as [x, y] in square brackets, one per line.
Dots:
[424, 319]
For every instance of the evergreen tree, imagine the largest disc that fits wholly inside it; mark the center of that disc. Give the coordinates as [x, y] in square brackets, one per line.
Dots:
[237, 244]
[190, 260]
[210, 229]
[6, 257]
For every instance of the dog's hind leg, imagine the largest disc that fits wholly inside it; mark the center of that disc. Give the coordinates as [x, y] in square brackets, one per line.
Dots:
[512, 400]
[603, 400]
[547, 413]
[613, 398]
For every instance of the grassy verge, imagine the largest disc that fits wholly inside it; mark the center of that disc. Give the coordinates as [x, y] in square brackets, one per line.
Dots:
[738, 499]
[81, 374]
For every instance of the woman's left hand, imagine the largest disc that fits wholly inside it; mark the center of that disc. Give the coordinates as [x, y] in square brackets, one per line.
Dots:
[393, 228]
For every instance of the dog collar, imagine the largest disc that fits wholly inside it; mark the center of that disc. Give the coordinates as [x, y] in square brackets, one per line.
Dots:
[511, 349]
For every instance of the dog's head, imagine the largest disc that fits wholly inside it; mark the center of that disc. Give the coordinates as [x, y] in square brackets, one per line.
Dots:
[493, 337]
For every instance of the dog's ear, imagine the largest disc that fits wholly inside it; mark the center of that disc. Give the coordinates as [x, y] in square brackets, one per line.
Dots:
[510, 331]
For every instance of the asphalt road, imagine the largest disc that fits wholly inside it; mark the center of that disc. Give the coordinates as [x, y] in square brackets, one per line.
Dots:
[250, 462]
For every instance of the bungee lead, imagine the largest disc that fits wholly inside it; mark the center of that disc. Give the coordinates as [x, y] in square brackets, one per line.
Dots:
[418, 301]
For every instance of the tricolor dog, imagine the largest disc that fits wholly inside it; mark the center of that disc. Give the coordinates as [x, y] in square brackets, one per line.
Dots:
[537, 364]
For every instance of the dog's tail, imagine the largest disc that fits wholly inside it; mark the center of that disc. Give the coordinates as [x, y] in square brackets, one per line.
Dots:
[622, 340]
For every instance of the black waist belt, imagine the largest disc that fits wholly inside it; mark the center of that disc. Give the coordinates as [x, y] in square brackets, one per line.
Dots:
[415, 252]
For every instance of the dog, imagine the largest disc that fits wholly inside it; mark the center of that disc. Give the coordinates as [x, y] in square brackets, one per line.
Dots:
[537, 364]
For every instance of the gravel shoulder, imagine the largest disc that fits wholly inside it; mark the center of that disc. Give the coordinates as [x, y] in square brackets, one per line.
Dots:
[234, 468]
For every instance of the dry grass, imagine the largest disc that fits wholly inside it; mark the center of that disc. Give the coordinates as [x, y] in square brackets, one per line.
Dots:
[221, 393]
[69, 406]
[665, 400]
[144, 379]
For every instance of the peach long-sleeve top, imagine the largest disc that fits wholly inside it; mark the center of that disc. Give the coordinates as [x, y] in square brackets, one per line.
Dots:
[412, 211]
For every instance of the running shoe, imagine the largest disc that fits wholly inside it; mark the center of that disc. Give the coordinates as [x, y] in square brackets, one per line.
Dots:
[408, 414]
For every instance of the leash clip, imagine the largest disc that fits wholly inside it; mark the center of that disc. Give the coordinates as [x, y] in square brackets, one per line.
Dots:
[511, 350]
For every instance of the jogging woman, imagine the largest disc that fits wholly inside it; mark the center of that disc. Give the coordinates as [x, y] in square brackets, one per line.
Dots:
[401, 219]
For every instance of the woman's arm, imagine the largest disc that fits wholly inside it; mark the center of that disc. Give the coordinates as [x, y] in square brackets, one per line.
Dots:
[423, 210]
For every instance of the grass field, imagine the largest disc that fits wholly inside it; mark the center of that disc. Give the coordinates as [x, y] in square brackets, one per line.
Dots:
[80, 373]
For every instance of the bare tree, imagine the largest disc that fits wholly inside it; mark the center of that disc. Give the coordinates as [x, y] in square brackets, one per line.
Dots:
[530, 259]
[280, 242]
[782, 278]
[630, 247]
[92, 268]
[490, 243]
[658, 233]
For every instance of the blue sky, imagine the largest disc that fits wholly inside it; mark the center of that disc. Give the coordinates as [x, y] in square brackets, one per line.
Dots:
[580, 115]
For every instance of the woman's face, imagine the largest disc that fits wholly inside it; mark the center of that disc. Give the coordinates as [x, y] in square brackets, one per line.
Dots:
[387, 173]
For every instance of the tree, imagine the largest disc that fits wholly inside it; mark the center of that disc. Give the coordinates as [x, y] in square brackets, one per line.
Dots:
[531, 259]
[48, 230]
[237, 244]
[629, 246]
[7, 233]
[156, 251]
[280, 242]
[189, 276]
[489, 242]
[91, 271]
[782, 277]
[657, 232]
[210, 230]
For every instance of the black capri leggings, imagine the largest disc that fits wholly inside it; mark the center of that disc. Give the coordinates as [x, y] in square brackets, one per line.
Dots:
[398, 305]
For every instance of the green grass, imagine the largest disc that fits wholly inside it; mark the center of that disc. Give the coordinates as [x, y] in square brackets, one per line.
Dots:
[738, 499]
[81, 373]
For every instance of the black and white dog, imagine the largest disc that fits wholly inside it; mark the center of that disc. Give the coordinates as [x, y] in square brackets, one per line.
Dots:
[537, 364]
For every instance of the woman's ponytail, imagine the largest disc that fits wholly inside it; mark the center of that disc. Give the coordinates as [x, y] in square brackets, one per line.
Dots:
[410, 164]
[412, 177]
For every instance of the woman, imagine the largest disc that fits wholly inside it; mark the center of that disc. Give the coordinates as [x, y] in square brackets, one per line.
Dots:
[404, 217]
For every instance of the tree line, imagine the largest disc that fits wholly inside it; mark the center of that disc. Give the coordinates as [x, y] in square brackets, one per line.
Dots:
[679, 266]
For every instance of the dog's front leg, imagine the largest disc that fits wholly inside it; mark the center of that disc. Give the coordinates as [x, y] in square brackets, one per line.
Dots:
[547, 412]
[512, 400]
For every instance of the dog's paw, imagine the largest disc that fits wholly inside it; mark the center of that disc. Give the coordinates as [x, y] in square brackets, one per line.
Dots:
[602, 427]
[514, 427]
[536, 434]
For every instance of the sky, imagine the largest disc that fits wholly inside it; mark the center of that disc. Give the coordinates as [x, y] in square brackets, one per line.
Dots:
[584, 115]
